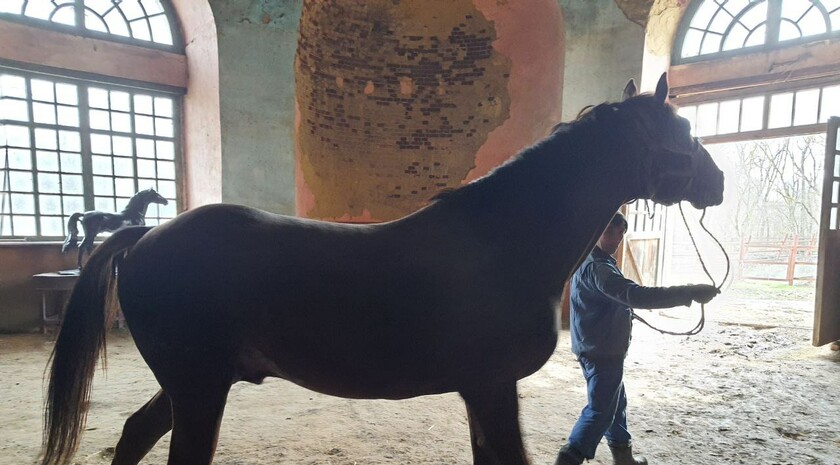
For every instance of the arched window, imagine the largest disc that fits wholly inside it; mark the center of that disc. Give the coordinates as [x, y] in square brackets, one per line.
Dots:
[722, 27]
[74, 140]
[745, 69]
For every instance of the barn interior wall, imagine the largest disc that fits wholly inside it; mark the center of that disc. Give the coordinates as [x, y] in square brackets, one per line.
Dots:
[242, 150]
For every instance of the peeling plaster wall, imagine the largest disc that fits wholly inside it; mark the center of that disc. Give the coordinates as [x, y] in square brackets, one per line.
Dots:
[663, 22]
[603, 50]
[398, 100]
[257, 40]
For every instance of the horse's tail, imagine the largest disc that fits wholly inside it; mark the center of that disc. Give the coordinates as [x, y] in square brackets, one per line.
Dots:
[72, 232]
[89, 311]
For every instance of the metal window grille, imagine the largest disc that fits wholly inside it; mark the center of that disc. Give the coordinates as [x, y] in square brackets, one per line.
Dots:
[69, 145]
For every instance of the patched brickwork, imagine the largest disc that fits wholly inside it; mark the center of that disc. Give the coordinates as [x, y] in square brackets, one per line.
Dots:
[394, 98]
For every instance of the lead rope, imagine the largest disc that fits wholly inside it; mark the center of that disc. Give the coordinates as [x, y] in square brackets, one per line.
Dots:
[702, 323]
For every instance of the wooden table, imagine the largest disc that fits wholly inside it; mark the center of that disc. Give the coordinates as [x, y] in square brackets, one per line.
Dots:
[59, 283]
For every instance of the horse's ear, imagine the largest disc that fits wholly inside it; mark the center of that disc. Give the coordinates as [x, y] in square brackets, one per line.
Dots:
[662, 88]
[629, 90]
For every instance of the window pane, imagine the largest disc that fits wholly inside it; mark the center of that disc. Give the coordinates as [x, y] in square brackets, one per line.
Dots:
[100, 119]
[101, 165]
[52, 226]
[166, 189]
[120, 101]
[50, 204]
[146, 148]
[100, 143]
[16, 136]
[20, 159]
[807, 105]
[144, 125]
[166, 170]
[69, 141]
[98, 98]
[12, 86]
[15, 110]
[124, 187]
[71, 163]
[752, 114]
[691, 43]
[104, 204]
[42, 90]
[788, 31]
[68, 116]
[49, 183]
[830, 103]
[123, 167]
[163, 107]
[143, 104]
[781, 106]
[729, 116]
[163, 127]
[165, 150]
[23, 203]
[47, 161]
[66, 94]
[46, 139]
[122, 146]
[24, 225]
[20, 181]
[73, 204]
[146, 168]
[707, 119]
[72, 184]
[103, 185]
[43, 113]
[161, 32]
[121, 122]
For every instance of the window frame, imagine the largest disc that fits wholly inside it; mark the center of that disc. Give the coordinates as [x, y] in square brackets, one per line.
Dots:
[60, 53]
[80, 30]
[85, 130]
[770, 44]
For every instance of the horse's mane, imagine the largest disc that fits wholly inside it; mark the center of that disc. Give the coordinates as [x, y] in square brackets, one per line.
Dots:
[586, 119]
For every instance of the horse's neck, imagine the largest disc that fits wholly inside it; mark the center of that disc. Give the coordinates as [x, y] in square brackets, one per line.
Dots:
[554, 208]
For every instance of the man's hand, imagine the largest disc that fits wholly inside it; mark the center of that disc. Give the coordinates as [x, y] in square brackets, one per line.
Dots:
[702, 293]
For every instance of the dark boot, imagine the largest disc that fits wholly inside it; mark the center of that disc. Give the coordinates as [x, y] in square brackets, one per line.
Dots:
[568, 456]
[623, 455]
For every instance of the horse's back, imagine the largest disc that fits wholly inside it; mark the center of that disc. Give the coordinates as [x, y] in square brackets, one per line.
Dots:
[359, 311]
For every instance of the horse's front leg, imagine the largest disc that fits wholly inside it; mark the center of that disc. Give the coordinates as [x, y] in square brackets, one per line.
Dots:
[493, 412]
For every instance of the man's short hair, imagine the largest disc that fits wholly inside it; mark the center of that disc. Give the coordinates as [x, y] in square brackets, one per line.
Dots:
[619, 220]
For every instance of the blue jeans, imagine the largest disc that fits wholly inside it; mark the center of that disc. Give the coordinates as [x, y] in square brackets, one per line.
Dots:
[606, 413]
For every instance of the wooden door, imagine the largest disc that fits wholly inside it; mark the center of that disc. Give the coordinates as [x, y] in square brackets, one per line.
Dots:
[827, 309]
[642, 255]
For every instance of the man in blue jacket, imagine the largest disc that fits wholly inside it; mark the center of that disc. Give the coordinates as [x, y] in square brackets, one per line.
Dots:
[602, 300]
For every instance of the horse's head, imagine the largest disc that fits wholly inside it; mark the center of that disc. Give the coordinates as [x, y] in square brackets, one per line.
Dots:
[151, 196]
[674, 165]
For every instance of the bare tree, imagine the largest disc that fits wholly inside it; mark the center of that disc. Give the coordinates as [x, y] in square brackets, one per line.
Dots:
[778, 184]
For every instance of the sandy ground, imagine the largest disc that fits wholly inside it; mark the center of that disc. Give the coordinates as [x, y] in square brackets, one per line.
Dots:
[749, 389]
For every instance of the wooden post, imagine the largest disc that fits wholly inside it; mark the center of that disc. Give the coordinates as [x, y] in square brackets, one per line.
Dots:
[791, 268]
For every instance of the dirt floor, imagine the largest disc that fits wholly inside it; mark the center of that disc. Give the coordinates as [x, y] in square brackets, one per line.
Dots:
[750, 389]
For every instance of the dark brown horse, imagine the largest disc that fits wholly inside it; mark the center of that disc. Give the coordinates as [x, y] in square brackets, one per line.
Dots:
[95, 222]
[459, 296]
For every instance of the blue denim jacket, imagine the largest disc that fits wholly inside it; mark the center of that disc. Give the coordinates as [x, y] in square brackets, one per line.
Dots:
[601, 301]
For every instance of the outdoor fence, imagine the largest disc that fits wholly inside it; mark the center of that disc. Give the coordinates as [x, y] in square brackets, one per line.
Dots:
[789, 259]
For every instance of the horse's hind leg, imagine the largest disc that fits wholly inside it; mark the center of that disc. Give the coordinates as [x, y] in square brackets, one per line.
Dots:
[196, 417]
[143, 429]
[494, 425]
